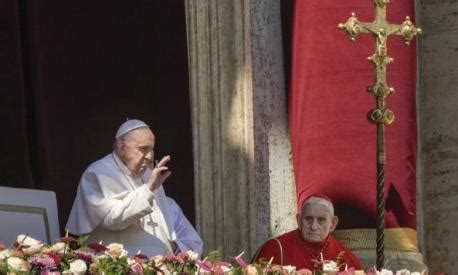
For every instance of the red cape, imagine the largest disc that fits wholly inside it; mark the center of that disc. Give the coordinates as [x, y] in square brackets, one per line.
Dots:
[300, 253]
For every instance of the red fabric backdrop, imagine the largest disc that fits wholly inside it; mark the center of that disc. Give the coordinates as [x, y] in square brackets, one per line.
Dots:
[333, 143]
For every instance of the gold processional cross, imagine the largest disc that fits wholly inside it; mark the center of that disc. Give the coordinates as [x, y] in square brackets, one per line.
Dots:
[381, 115]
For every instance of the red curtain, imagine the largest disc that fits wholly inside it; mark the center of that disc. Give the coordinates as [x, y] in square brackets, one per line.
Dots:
[334, 146]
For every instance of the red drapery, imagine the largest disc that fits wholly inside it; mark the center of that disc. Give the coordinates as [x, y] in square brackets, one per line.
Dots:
[333, 143]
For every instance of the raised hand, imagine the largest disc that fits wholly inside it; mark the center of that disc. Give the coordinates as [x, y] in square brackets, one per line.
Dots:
[159, 174]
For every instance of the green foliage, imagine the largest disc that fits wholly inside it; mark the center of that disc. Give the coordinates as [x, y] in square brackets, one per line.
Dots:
[3, 267]
[214, 256]
[82, 239]
[147, 270]
[237, 270]
[113, 266]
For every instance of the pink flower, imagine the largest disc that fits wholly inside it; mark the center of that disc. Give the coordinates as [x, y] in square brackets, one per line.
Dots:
[350, 271]
[182, 255]
[136, 268]
[221, 267]
[304, 271]
[141, 258]
[169, 259]
[116, 250]
[42, 262]
[239, 260]
[205, 265]
[97, 247]
[55, 257]
[85, 256]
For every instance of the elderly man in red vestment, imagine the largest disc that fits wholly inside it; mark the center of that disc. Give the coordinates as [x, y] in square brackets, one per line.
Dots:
[311, 243]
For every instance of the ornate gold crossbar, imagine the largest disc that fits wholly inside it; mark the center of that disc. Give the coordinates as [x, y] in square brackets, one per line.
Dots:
[381, 115]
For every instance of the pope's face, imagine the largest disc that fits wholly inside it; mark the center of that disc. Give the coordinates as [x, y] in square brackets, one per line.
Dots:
[136, 150]
[316, 222]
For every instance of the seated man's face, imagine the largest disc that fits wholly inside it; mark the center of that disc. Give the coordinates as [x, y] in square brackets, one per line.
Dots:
[136, 151]
[316, 222]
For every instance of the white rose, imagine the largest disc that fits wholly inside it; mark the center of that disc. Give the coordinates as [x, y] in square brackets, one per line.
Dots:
[5, 254]
[99, 257]
[78, 266]
[131, 261]
[225, 268]
[385, 272]
[17, 264]
[34, 245]
[251, 270]
[116, 250]
[27, 240]
[192, 255]
[158, 259]
[330, 266]
[58, 247]
[32, 249]
[289, 268]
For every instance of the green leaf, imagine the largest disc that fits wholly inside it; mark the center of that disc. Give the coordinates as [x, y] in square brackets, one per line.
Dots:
[214, 256]
[82, 239]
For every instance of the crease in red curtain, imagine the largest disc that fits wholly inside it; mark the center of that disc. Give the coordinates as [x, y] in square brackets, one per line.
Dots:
[334, 146]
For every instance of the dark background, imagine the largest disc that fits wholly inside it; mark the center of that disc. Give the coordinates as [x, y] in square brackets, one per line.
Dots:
[72, 71]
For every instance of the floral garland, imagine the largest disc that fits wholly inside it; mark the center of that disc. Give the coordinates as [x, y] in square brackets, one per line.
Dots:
[71, 256]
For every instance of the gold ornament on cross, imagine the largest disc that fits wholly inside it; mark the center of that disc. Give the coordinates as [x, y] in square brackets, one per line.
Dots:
[381, 115]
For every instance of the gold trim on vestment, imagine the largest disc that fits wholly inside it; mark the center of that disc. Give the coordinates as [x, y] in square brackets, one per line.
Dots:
[30, 210]
[396, 239]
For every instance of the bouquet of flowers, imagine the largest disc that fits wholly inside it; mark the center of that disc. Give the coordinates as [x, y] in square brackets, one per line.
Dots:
[30, 256]
[71, 256]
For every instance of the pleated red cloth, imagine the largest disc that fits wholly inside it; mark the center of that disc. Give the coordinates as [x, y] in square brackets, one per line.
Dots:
[334, 146]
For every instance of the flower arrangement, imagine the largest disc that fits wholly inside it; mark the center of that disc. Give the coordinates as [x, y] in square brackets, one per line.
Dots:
[71, 256]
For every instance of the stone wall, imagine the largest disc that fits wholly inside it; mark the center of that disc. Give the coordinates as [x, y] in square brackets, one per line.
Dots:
[242, 157]
[438, 126]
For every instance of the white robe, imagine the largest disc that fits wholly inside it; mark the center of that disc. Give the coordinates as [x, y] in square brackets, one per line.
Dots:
[113, 206]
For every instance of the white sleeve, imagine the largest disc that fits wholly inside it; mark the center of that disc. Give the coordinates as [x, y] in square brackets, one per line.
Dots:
[187, 237]
[135, 205]
[102, 201]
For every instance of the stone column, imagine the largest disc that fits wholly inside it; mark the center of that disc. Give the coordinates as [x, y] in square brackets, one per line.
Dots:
[438, 112]
[244, 185]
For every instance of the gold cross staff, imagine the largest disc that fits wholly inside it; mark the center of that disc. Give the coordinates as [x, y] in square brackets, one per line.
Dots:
[380, 115]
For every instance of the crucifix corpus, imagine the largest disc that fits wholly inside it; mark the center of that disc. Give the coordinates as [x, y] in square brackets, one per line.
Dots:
[381, 115]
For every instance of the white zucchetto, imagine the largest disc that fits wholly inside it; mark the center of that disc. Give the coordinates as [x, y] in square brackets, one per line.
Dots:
[130, 125]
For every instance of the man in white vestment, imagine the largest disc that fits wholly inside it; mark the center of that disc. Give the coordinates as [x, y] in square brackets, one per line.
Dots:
[120, 199]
